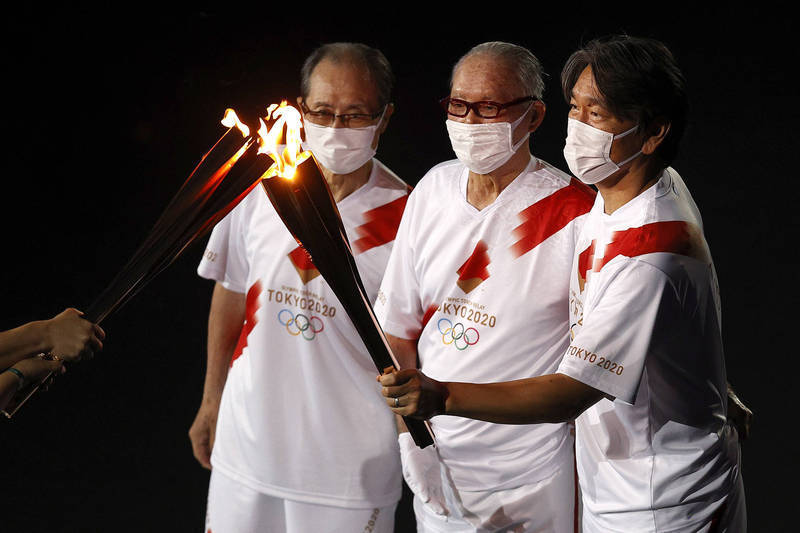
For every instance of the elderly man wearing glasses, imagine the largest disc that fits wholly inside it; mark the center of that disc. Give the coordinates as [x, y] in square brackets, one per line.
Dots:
[281, 351]
[477, 287]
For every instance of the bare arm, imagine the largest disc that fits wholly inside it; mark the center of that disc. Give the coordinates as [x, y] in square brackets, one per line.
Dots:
[543, 399]
[404, 350]
[225, 320]
[67, 336]
[9, 385]
[21, 342]
[30, 370]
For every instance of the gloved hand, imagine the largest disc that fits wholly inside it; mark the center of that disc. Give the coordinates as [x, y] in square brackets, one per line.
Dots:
[421, 470]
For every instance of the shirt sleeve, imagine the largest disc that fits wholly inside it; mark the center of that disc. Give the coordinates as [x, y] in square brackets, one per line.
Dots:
[610, 348]
[225, 259]
[398, 306]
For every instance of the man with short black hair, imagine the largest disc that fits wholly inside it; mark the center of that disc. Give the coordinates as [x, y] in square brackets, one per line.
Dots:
[644, 374]
[283, 459]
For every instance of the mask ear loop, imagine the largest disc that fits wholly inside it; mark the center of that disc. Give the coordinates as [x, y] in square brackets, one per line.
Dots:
[631, 158]
[624, 133]
[515, 147]
[377, 125]
[380, 119]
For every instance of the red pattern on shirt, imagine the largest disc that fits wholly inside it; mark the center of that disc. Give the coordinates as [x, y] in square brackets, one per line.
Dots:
[380, 226]
[252, 304]
[474, 272]
[302, 264]
[675, 236]
[547, 216]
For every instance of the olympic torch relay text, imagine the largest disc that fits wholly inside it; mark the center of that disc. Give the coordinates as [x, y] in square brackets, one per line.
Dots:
[468, 310]
[304, 301]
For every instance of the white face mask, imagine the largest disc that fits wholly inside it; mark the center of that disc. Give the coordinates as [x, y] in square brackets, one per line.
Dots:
[487, 146]
[341, 150]
[588, 151]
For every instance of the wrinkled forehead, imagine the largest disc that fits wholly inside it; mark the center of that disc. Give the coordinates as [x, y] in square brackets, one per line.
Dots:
[486, 77]
[342, 84]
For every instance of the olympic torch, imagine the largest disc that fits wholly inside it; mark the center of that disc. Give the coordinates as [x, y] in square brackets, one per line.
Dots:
[225, 174]
[304, 202]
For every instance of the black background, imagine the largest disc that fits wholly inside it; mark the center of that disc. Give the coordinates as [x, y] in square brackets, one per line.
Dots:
[107, 111]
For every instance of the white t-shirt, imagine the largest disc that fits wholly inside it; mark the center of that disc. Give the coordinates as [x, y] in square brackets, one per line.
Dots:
[302, 416]
[645, 319]
[485, 293]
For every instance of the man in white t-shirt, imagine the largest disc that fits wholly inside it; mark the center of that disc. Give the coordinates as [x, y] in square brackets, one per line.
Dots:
[644, 375]
[282, 458]
[476, 289]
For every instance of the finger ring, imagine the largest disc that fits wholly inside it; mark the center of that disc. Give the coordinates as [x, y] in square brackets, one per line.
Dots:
[397, 402]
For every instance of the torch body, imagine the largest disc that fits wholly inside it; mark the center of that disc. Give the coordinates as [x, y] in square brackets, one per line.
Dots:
[306, 206]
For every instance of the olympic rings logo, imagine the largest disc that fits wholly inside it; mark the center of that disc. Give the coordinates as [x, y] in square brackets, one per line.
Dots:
[300, 324]
[457, 335]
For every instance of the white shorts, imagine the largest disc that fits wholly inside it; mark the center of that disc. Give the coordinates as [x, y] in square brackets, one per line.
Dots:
[236, 508]
[545, 506]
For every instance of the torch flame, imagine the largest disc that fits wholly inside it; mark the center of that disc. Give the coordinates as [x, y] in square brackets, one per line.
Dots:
[287, 161]
[230, 120]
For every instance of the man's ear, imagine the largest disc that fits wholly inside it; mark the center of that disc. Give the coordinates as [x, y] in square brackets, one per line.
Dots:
[656, 134]
[386, 116]
[538, 111]
[382, 126]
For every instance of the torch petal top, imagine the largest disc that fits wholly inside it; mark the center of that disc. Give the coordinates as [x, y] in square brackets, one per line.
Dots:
[287, 160]
[231, 119]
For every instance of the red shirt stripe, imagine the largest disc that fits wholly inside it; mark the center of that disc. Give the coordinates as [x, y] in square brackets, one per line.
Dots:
[676, 237]
[547, 216]
[380, 226]
[252, 304]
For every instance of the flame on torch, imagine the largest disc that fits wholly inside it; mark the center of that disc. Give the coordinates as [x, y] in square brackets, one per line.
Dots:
[286, 161]
[230, 120]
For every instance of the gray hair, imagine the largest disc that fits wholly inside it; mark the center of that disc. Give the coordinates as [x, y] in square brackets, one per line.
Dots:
[520, 59]
[371, 59]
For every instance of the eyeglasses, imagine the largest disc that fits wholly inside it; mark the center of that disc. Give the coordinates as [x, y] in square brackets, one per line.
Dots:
[349, 120]
[484, 108]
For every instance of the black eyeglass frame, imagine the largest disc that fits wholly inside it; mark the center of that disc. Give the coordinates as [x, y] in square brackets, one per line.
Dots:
[344, 117]
[445, 103]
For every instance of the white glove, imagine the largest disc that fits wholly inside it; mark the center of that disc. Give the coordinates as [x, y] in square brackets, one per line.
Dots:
[421, 470]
